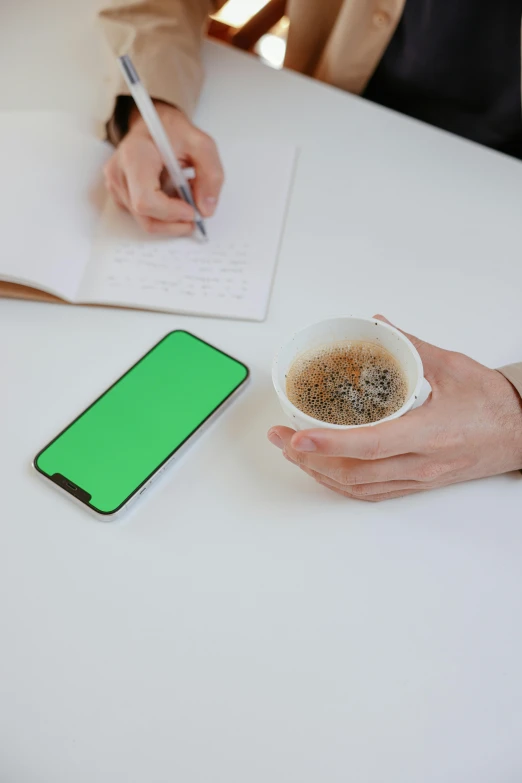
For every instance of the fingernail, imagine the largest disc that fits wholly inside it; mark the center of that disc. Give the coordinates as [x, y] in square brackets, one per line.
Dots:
[304, 444]
[210, 204]
[381, 317]
[275, 440]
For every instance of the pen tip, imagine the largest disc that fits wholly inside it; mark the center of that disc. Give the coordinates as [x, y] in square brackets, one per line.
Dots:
[202, 230]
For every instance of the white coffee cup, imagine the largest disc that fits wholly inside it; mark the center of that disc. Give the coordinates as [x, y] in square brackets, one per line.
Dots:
[334, 330]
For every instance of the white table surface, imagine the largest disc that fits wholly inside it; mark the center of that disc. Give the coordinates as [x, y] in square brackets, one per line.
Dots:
[245, 625]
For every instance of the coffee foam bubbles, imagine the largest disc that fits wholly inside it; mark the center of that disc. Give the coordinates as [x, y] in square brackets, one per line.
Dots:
[347, 382]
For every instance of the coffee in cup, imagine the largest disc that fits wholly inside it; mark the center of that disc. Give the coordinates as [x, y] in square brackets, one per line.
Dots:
[348, 382]
[366, 372]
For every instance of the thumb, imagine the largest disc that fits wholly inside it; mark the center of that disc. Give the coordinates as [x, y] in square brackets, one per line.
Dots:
[209, 174]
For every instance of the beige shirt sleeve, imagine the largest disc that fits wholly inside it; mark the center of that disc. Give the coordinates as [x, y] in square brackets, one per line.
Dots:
[513, 372]
[163, 38]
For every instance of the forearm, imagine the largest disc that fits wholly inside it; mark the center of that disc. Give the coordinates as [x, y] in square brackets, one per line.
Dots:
[163, 38]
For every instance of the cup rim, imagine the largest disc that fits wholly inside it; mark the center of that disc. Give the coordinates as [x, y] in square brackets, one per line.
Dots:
[317, 423]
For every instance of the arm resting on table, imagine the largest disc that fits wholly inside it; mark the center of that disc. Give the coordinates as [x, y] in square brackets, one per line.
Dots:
[163, 38]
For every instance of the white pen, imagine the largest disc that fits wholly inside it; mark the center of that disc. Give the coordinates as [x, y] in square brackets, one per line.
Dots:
[157, 131]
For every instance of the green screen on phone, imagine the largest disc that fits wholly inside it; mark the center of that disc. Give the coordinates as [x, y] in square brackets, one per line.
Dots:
[114, 446]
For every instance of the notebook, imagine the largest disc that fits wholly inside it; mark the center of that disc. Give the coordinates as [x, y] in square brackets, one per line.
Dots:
[64, 239]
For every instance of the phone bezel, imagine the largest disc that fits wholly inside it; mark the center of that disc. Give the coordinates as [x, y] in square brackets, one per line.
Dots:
[161, 466]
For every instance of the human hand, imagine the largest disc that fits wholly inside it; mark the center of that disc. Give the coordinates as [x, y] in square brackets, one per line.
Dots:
[135, 174]
[470, 427]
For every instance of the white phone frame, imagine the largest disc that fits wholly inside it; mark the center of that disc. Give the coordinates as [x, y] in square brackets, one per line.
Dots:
[180, 451]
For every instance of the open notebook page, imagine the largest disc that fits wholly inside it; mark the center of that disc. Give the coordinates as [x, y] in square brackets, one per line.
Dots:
[50, 200]
[230, 275]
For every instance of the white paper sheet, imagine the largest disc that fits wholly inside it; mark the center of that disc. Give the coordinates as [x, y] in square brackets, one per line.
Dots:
[230, 275]
[50, 200]
[61, 233]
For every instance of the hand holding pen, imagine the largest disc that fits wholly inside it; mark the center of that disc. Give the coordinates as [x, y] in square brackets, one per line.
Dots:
[135, 174]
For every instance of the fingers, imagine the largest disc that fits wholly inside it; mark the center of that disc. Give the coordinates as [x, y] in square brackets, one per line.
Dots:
[133, 177]
[280, 436]
[369, 491]
[119, 202]
[116, 183]
[377, 498]
[408, 434]
[372, 493]
[349, 473]
[159, 227]
[344, 471]
[209, 173]
[147, 200]
[135, 174]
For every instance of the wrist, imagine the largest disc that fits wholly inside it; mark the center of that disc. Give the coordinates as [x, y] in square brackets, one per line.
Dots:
[165, 111]
[510, 415]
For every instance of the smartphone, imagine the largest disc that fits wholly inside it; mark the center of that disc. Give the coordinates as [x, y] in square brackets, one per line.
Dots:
[112, 452]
